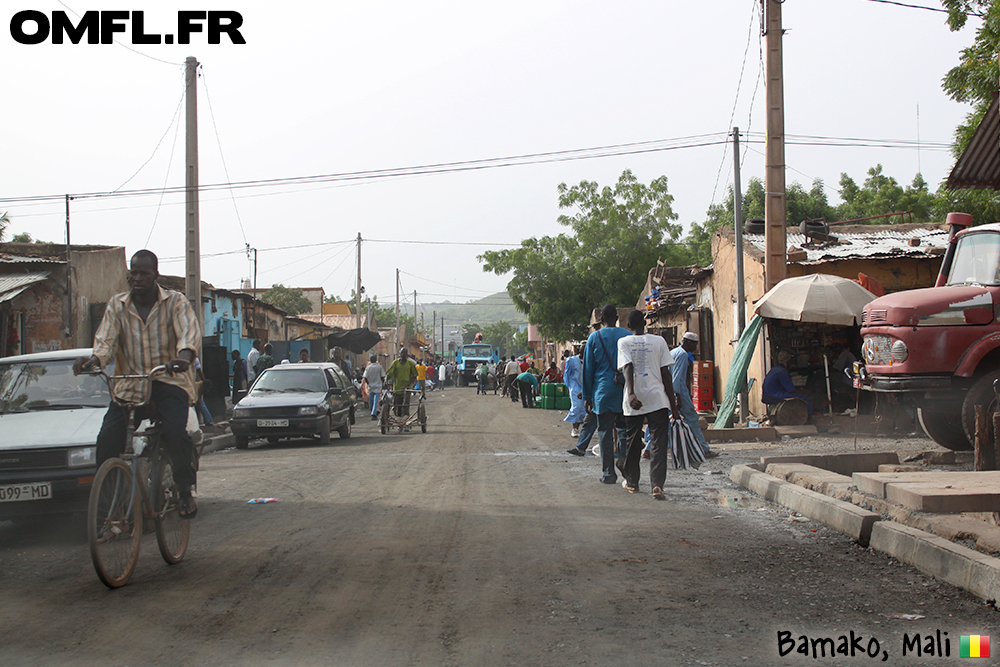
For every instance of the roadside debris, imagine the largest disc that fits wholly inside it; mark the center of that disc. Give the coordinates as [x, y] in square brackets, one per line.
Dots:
[261, 501]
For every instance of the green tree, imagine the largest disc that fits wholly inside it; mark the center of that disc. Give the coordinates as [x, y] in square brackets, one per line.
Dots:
[385, 316]
[974, 79]
[4, 223]
[289, 299]
[469, 331]
[618, 233]
[882, 194]
[800, 204]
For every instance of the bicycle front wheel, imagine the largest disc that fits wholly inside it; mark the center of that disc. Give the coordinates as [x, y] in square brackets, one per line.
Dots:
[114, 523]
[172, 532]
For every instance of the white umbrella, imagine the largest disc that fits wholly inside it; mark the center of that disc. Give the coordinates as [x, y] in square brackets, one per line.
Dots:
[815, 298]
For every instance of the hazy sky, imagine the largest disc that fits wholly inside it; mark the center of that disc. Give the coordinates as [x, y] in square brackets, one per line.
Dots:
[327, 88]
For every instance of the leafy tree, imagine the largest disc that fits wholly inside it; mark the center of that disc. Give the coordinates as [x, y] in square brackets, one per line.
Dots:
[469, 331]
[974, 79]
[799, 203]
[385, 316]
[882, 194]
[4, 223]
[618, 233]
[289, 299]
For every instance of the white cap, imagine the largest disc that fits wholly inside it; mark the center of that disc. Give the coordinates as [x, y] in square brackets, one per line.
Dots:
[690, 335]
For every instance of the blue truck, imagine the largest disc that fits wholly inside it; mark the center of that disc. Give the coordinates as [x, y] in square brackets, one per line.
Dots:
[469, 357]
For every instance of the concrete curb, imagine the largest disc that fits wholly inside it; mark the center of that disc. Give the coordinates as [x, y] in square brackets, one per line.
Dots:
[849, 519]
[975, 572]
[966, 568]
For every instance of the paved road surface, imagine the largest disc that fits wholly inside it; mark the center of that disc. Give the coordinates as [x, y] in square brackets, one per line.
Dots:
[479, 543]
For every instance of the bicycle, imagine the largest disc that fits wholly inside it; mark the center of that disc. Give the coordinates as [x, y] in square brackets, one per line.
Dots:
[137, 486]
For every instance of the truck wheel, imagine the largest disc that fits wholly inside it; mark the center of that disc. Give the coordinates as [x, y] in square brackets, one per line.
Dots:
[944, 428]
[980, 393]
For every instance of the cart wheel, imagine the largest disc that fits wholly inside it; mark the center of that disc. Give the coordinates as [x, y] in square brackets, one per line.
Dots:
[383, 417]
[422, 417]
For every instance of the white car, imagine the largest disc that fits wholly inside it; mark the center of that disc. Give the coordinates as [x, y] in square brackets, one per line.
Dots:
[49, 419]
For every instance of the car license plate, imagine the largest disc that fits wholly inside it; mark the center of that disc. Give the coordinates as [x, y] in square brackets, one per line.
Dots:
[10, 493]
[272, 422]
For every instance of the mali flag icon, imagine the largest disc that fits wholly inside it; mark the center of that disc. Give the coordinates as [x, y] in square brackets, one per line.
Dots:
[974, 646]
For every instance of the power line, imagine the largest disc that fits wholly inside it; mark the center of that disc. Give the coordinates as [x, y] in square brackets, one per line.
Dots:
[218, 141]
[930, 9]
[443, 284]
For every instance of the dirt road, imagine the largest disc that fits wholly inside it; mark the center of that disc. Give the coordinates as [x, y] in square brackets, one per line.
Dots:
[478, 543]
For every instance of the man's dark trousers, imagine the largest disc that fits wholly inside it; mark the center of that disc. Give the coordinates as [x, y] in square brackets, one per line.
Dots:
[172, 406]
[527, 394]
[659, 425]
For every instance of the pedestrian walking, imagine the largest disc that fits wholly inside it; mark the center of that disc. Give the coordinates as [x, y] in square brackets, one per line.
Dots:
[571, 376]
[600, 392]
[645, 361]
[683, 356]
[374, 376]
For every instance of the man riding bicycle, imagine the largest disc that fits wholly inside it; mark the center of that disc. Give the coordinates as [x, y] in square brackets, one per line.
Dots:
[146, 327]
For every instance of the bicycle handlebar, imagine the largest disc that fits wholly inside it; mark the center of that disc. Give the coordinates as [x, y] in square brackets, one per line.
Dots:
[111, 379]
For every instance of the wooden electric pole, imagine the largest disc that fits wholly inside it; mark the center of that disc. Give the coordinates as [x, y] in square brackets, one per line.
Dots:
[192, 246]
[741, 298]
[775, 257]
[396, 351]
[357, 290]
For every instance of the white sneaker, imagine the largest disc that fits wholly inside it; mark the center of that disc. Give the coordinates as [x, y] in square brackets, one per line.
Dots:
[575, 433]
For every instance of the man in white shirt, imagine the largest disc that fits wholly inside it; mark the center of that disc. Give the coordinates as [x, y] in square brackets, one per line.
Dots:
[512, 370]
[374, 375]
[252, 356]
[645, 361]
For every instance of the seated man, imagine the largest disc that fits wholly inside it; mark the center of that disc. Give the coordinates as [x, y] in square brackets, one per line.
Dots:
[778, 385]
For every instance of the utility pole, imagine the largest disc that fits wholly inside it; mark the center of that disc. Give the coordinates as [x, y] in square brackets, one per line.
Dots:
[357, 291]
[192, 246]
[444, 349]
[775, 259]
[69, 282]
[414, 310]
[397, 311]
[741, 298]
[434, 321]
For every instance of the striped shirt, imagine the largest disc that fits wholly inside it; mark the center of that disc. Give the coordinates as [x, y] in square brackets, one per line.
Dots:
[137, 347]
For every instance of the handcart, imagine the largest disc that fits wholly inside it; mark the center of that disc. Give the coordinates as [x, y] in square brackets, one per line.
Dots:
[388, 419]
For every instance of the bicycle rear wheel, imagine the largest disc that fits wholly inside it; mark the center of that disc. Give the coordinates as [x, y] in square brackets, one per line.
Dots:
[172, 532]
[114, 523]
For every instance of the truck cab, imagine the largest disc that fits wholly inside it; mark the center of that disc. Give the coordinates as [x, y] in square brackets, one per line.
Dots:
[469, 357]
[941, 345]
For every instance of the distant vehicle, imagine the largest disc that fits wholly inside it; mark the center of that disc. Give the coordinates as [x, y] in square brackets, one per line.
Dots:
[49, 420]
[469, 357]
[294, 401]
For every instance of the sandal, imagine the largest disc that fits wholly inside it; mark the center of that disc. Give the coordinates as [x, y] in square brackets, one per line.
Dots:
[187, 508]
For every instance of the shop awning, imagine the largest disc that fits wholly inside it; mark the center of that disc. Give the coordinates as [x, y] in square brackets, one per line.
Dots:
[12, 285]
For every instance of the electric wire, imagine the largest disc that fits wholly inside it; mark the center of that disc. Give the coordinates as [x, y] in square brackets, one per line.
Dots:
[440, 283]
[222, 155]
[166, 176]
[173, 120]
[125, 46]
[736, 99]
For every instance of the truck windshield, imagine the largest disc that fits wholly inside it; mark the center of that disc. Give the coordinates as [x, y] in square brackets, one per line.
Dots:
[478, 351]
[977, 261]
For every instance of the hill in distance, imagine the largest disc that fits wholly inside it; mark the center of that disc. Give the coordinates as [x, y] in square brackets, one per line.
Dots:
[493, 308]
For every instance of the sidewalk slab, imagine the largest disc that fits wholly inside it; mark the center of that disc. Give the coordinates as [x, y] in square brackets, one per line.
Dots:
[843, 464]
[935, 491]
[811, 477]
[849, 519]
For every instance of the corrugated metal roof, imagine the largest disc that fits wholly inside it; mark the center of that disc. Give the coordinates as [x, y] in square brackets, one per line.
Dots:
[12, 285]
[6, 258]
[978, 167]
[880, 243]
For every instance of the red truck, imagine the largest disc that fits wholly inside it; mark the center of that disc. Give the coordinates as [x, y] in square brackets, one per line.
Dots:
[941, 345]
